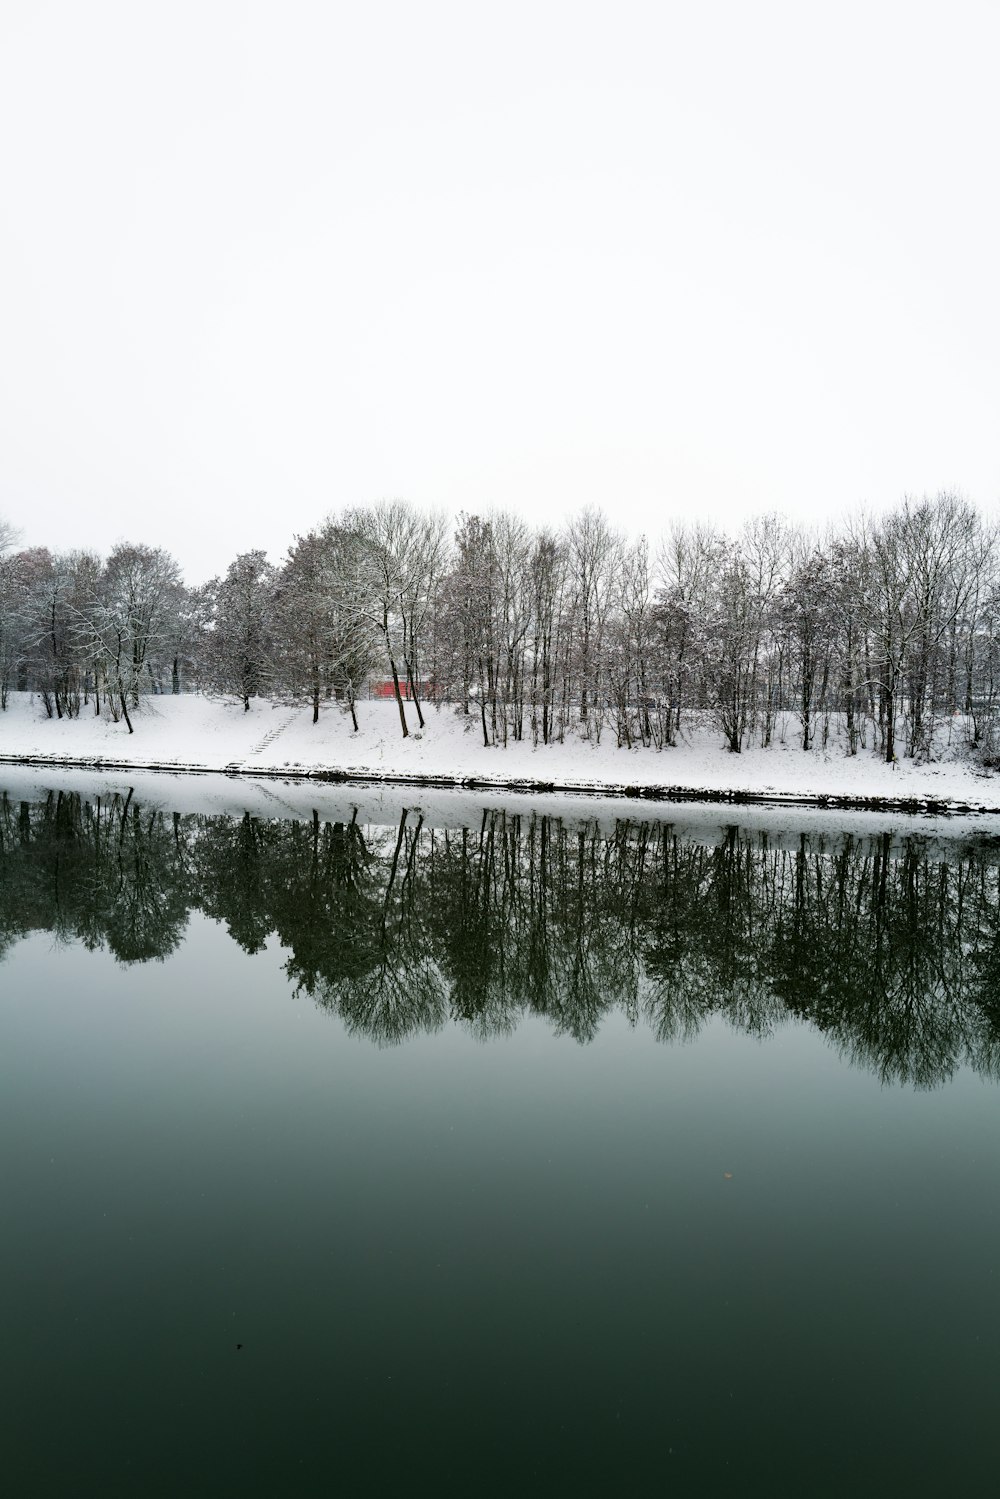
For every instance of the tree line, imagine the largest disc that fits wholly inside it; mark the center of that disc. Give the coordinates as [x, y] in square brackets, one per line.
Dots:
[871, 636]
[890, 948]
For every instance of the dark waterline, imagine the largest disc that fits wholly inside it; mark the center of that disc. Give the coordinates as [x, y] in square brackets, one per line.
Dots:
[315, 1088]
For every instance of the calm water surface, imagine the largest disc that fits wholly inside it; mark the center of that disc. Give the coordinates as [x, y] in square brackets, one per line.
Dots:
[521, 1156]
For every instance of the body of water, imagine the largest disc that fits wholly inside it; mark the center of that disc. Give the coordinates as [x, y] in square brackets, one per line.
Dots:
[486, 1153]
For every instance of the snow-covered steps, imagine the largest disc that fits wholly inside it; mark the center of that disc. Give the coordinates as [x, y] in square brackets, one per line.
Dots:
[274, 733]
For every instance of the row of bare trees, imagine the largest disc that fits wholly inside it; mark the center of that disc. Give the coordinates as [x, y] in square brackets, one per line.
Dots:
[873, 636]
[80, 630]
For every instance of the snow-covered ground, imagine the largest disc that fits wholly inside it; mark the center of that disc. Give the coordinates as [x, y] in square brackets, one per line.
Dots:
[191, 732]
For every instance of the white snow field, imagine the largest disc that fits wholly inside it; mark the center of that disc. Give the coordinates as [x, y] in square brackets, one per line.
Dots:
[194, 732]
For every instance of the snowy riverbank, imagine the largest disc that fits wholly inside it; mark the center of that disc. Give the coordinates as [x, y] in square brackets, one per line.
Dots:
[194, 733]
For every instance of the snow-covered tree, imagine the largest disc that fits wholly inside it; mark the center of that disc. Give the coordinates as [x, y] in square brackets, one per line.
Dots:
[240, 644]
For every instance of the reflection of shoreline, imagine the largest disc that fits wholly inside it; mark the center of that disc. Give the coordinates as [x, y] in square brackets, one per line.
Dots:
[400, 927]
[914, 806]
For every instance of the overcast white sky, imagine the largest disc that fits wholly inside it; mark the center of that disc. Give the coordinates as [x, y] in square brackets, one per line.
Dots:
[261, 260]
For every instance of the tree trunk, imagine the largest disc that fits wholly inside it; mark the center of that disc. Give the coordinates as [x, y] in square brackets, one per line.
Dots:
[413, 694]
[399, 699]
[889, 723]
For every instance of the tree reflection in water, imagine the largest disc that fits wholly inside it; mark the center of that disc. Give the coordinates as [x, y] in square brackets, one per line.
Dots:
[888, 946]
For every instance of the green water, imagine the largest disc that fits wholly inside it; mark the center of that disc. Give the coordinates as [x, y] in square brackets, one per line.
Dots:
[521, 1157]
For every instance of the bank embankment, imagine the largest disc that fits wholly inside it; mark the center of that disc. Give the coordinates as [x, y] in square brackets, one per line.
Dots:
[192, 734]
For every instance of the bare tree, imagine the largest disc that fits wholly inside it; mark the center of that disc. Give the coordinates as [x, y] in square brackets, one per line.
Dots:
[690, 562]
[240, 644]
[547, 581]
[805, 621]
[398, 557]
[127, 628]
[11, 611]
[593, 552]
[323, 627]
[740, 638]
